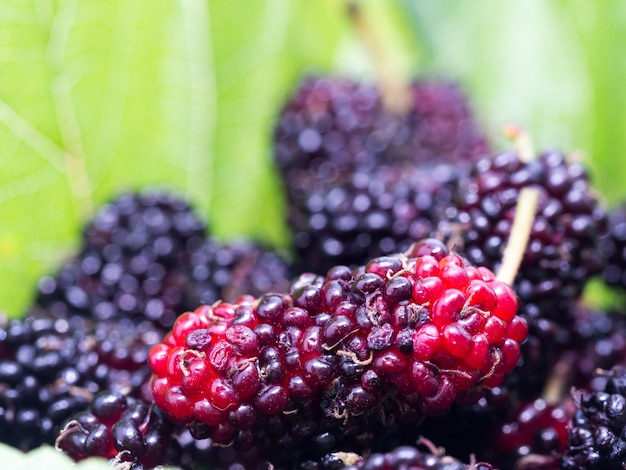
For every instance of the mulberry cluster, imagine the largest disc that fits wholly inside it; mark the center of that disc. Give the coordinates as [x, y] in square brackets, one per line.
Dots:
[132, 264]
[51, 368]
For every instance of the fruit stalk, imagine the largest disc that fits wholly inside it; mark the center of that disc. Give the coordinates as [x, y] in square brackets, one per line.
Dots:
[524, 211]
[520, 233]
[394, 88]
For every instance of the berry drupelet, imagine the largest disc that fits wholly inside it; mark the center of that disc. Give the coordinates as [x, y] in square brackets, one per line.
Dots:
[399, 338]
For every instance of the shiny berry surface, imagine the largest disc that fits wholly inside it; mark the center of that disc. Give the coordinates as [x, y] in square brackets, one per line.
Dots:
[335, 350]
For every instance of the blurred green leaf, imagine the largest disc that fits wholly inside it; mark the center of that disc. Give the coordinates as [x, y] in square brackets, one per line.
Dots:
[600, 30]
[106, 95]
[555, 68]
[48, 457]
[519, 60]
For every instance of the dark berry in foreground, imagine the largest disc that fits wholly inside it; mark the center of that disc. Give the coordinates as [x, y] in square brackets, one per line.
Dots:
[50, 369]
[120, 428]
[42, 381]
[596, 438]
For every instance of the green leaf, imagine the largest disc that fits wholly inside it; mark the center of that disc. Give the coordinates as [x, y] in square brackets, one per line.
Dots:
[555, 68]
[106, 95]
[519, 60]
[48, 457]
[599, 28]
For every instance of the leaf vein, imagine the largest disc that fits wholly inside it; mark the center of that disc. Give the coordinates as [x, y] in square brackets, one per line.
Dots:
[36, 139]
[69, 127]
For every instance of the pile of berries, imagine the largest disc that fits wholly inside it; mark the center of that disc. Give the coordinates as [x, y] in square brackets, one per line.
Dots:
[390, 332]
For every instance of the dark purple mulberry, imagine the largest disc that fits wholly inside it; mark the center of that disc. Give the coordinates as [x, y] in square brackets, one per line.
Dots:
[51, 368]
[122, 429]
[331, 127]
[134, 262]
[596, 437]
[360, 181]
[374, 213]
[613, 248]
[562, 253]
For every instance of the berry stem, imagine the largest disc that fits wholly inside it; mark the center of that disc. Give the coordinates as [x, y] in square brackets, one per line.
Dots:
[523, 143]
[560, 379]
[394, 88]
[524, 211]
[520, 233]
[348, 458]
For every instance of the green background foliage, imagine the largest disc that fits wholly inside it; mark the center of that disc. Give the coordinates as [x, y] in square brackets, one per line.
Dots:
[49, 458]
[104, 95]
